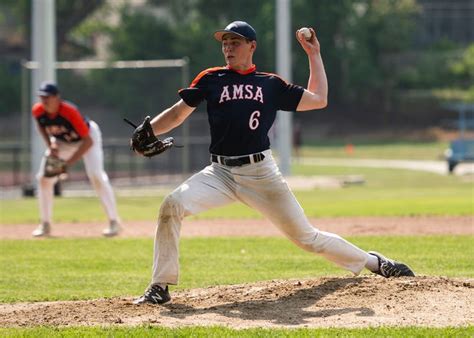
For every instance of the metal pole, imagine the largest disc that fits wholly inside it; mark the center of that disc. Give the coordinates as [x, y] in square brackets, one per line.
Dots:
[462, 120]
[25, 120]
[44, 52]
[283, 63]
[185, 151]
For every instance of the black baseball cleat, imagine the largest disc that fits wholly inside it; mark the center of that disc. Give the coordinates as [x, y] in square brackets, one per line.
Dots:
[389, 268]
[154, 294]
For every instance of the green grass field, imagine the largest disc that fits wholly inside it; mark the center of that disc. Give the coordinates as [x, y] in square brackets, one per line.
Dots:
[218, 332]
[70, 269]
[376, 149]
[386, 192]
[73, 269]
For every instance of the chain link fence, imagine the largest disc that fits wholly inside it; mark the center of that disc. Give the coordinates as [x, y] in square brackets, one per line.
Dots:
[106, 93]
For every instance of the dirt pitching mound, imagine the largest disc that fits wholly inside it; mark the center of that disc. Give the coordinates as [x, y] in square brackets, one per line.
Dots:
[324, 302]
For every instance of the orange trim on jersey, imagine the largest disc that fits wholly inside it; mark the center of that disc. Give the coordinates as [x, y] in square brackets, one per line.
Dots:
[71, 114]
[37, 109]
[204, 72]
[278, 76]
[243, 72]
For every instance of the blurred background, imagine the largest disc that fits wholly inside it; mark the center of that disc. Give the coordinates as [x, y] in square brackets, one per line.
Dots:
[400, 72]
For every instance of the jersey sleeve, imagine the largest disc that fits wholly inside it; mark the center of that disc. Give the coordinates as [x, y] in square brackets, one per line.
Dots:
[192, 96]
[196, 92]
[289, 95]
[37, 109]
[72, 114]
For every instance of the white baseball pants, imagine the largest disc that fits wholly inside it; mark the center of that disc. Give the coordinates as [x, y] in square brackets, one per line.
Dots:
[260, 186]
[94, 165]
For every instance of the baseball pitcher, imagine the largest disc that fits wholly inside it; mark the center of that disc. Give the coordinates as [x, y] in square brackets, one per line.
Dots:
[241, 105]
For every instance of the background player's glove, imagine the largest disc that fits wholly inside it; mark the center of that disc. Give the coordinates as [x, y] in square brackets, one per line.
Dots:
[54, 166]
[145, 142]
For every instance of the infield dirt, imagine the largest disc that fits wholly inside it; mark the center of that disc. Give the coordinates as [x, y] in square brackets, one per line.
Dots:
[297, 303]
[345, 226]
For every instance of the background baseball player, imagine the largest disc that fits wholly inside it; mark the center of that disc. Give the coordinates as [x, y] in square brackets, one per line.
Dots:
[241, 106]
[69, 136]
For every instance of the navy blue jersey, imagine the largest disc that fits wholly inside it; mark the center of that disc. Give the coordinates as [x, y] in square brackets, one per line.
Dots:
[241, 107]
[67, 125]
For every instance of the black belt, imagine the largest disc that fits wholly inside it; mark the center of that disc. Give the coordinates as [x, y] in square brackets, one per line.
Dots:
[237, 161]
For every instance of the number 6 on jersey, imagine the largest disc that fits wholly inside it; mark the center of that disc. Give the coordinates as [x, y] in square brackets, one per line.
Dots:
[253, 122]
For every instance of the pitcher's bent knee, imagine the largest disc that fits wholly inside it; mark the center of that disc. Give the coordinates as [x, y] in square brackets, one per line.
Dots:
[171, 207]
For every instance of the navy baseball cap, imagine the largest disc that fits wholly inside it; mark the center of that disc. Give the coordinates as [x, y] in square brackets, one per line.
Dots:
[48, 89]
[240, 28]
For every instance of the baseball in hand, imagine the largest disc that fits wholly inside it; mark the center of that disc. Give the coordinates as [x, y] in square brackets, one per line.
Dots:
[306, 33]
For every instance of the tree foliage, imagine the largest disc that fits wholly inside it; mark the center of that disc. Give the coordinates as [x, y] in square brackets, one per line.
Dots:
[69, 14]
[367, 45]
[356, 38]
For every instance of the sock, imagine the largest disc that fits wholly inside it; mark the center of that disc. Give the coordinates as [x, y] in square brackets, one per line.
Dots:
[372, 263]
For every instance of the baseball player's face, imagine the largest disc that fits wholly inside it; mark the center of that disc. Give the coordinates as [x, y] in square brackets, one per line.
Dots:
[237, 51]
[50, 103]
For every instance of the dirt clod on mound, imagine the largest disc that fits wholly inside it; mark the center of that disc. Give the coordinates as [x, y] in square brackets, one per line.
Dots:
[324, 302]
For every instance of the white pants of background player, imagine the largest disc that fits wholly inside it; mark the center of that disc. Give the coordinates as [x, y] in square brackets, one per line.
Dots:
[258, 185]
[94, 164]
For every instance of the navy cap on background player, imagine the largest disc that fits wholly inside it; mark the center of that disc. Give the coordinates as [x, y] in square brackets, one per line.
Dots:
[240, 28]
[48, 89]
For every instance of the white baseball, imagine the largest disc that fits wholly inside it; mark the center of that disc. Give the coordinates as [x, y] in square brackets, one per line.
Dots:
[306, 33]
